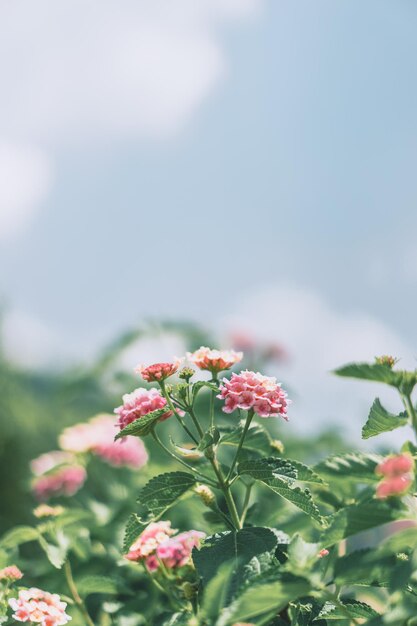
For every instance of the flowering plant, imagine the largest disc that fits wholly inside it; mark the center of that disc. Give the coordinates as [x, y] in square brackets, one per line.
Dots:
[233, 531]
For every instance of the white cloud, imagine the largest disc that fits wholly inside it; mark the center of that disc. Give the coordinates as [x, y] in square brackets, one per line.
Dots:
[25, 179]
[109, 66]
[319, 339]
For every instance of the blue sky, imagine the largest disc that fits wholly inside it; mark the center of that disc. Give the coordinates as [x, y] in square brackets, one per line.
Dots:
[248, 151]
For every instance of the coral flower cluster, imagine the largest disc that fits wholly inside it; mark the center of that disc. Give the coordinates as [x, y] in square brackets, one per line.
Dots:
[57, 474]
[397, 472]
[159, 544]
[10, 573]
[158, 371]
[39, 607]
[249, 390]
[97, 436]
[139, 403]
[214, 361]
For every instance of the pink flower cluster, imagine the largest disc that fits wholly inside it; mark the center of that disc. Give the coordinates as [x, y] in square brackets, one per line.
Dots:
[10, 573]
[397, 472]
[39, 607]
[250, 390]
[57, 474]
[139, 403]
[214, 360]
[158, 371]
[159, 543]
[97, 436]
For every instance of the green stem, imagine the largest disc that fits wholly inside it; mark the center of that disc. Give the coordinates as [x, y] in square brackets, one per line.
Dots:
[224, 486]
[175, 412]
[196, 422]
[176, 458]
[246, 503]
[214, 378]
[240, 444]
[411, 411]
[75, 595]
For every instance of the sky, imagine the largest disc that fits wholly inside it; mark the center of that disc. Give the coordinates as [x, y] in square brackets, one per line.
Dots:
[242, 163]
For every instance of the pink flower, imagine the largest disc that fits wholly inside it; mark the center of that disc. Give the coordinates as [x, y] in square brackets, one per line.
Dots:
[159, 543]
[139, 403]
[97, 436]
[158, 371]
[39, 607]
[149, 540]
[396, 465]
[176, 551]
[64, 478]
[323, 553]
[250, 390]
[394, 486]
[10, 573]
[214, 360]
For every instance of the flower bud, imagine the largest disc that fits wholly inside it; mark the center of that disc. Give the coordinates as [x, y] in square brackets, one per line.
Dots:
[189, 590]
[206, 494]
[186, 373]
[387, 360]
[323, 553]
[10, 573]
[44, 510]
[277, 445]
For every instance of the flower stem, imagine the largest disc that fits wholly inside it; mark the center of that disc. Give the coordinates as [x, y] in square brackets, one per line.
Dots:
[212, 398]
[176, 458]
[175, 412]
[225, 487]
[411, 411]
[75, 595]
[196, 422]
[240, 444]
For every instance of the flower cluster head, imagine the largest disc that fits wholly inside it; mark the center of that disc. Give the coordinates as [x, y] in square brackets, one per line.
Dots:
[57, 474]
[39, 607]
[97, 436]
[158, 372]
[397, 472]
[139, 403]
[387, 360]
[10, 573]
[45, 510]
[159, 544]
[214, 361]
[250, 390]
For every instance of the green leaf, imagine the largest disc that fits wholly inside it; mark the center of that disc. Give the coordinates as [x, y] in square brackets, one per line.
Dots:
[56, 553]
[276, 474]
[265, 600]
[96, 584]
[351, 608]
[301, 553]
[134, 528]
[243, 549]
[366, 567]
[143, 425]
[209, 438]
[257, 438]
[216, 592]
[370, 371]
[305, 474]
[357, 465]
[203, 384]
[381, 421]
[161, 492]
[18, 535]
[267, 469]
[358, 517]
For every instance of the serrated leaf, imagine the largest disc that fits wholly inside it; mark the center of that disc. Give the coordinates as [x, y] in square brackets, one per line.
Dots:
[276, 474]
[265, 600]
[257, 438]
[134, 528]
[300, 552]
[18, 535]
[163, 491]
[216, 592]
[267, 469]
[369, 371]
[305, 474]
[364, 567]
[358, 517]
[56, 553]
[358, 465]
[242, 549]
[96, 584]
[351, 608]
[143, 425]
[381, 421]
